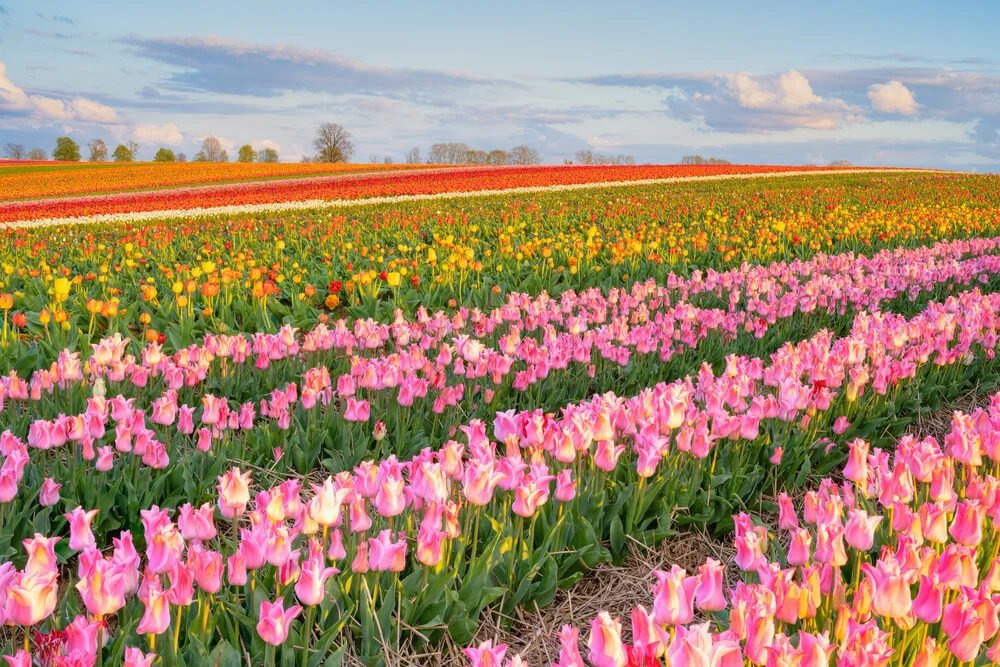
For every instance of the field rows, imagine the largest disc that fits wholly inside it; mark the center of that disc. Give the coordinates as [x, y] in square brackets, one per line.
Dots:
[319, 438]
[277, 195]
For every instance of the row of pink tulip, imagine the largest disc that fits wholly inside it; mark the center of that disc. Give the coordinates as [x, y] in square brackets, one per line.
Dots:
[647, 318]
[425, 507]
[413, 375]
[895, 566]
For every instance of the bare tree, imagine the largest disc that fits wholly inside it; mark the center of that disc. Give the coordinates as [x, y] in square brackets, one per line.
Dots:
[590, 157]
[840, 163]
[524, 155]
[267, 155]
[133, 148]
[211, 151]
[14, 151]
[387, 159]
[98, 151]
[333, 143]
[476, 157]
[449, 153]
[697, 159]
[37, 154]
[413, 155]
[373, 158]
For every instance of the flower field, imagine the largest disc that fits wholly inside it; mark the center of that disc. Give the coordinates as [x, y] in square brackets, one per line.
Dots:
[142, 182]
[39, 180]
[324, 437]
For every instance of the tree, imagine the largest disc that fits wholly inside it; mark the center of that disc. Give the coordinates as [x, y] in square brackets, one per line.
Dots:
[164, 155]
[211, 151]
[372, 158]
[387, 159]
[840, 163]
[697, 159]
[98, 151]
[333, 143]
[450, 153]
[413, 156]
[14, 151]
[133, 148]
[182, 157]
[122, 154]
[476, 157]
[524, 155]
[497, 156]
[37, 154]
[66, 150]
[246, 154]
[267, 155]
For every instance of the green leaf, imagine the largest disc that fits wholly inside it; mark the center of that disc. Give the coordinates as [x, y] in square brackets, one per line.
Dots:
[617, 536]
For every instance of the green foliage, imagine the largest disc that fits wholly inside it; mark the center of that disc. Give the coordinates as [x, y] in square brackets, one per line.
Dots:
[164, 155]
[66, 150]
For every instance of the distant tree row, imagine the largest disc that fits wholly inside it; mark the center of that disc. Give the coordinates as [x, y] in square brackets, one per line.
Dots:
[697, 159]
[18, 152]
[67, 150]
[590, 157]
[459, 153]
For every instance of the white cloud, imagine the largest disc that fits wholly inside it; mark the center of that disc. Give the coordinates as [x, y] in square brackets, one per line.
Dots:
[50, 108]
[796, 91]
[13, 98]
[94, 112]
[167, 133]
[265, 143]
[893, 97]
[782, 103]
[748, 91]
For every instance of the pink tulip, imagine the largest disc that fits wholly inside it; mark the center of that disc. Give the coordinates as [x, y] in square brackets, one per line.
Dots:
[234, 493]
[21, 659]
[49, 495]
[236, 569]
[275, 621]
[860, 529]
[156, 617]
[41, 555]
[569, 652]
[30, 598]
[486, 655]
[311, 585]
[103, 589]
[891, 591]
[673, 599]
[136, 658]
[694, 646]
[385, 555]
[81, 636]
[80, 536]
[197, 524]
[708, 593]
[357, 411]
[605, 642]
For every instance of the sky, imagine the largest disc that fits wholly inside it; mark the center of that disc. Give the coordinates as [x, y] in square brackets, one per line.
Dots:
[912, 84]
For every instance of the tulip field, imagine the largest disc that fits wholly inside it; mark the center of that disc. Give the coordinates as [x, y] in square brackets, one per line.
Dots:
[323, 435]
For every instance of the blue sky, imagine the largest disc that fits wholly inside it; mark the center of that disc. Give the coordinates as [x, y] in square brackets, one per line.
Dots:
[908, 84]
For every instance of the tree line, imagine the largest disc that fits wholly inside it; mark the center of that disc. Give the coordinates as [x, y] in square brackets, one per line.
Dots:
[331, 143]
